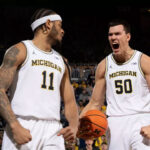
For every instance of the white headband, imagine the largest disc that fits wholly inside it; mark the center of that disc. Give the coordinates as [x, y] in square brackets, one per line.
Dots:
[43, 20]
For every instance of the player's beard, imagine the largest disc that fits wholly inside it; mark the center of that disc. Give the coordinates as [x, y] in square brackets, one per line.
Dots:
[57, 45]
[52, 37]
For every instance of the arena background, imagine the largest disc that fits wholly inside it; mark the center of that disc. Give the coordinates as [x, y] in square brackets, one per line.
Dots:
[85, 25]
[85, 42]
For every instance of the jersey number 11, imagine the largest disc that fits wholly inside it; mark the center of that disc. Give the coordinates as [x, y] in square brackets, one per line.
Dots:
[51, 77]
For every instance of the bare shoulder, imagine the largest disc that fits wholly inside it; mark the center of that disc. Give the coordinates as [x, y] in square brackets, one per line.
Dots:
[67, 73]
[13, 57]
[145, 63]
[65, 59]
[145, 58]
[16, 54]
[100, 71]
[22, 50]
[20, 46]
[67, 66]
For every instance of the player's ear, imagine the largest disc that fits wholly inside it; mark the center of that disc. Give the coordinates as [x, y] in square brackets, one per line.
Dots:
[128, 37]
[49, 24]
[44, 29]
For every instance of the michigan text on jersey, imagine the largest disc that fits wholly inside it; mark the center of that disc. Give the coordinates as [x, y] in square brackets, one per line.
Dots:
[123, 73]
[38, 62]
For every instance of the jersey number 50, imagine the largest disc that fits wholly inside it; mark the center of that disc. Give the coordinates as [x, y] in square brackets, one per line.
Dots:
[123, 86]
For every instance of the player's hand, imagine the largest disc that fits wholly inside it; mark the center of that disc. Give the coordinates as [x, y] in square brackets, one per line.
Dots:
[84, 129]
[69, 134]
[20, 134]
[145, 132]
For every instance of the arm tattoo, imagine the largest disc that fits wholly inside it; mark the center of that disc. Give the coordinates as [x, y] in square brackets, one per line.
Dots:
[7, 72]
[5, 109]
[10, 57]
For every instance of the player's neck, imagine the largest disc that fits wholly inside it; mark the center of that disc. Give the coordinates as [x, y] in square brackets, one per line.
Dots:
[41, 43]
[125, 56]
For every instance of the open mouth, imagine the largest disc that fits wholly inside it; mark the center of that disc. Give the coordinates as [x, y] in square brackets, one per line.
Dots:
[115, 45]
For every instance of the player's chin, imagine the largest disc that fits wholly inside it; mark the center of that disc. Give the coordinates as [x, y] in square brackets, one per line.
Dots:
[57, 44]
[116, 51]
[60, 38]
[59, 41]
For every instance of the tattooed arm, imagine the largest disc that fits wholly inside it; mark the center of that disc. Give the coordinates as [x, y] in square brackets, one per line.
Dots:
[13, 58]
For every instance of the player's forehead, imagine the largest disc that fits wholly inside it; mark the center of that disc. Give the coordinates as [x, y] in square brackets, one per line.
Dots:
[117, 28]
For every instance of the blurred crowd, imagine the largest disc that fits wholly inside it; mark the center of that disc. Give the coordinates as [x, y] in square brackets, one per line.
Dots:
[83, 80]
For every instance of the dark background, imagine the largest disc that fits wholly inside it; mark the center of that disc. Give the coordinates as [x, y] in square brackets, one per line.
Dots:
[85, 25]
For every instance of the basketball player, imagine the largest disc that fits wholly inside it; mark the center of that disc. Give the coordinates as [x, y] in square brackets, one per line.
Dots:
[37, 77]
[124, 76]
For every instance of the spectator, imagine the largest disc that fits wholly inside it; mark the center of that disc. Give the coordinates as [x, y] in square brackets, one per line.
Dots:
[104, 146]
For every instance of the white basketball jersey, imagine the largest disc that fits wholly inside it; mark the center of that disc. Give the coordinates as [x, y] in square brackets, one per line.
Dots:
[35, 91]
[127, 91]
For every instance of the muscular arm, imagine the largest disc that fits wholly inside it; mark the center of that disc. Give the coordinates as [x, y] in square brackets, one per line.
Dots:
[145, 63]
[12, 59]
[97, 98]
[71, 111]
[67, 92]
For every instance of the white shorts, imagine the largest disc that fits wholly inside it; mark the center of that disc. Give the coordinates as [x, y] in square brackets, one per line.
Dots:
[44, 136]
[124, 132]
